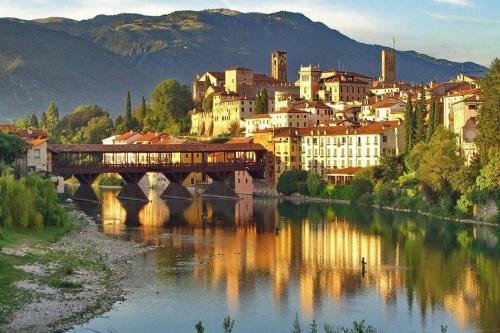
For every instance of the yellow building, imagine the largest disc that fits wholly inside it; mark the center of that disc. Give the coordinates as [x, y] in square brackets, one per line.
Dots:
[332, 147]
[463, 122]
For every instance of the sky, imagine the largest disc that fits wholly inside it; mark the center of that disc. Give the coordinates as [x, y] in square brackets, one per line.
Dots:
[458, 30]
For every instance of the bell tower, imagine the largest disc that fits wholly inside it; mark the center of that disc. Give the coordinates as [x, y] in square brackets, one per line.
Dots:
[389, 66]
[279, 66]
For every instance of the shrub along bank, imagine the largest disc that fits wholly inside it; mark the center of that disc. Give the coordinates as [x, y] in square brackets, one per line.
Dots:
[431, 178]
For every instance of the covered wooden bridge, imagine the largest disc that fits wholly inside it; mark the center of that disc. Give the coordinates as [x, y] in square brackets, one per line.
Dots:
[176, 161]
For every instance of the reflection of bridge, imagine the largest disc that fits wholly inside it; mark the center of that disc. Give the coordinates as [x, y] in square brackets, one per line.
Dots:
[174, 161]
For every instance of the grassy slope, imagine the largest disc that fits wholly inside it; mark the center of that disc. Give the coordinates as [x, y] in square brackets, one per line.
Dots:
[12, 298]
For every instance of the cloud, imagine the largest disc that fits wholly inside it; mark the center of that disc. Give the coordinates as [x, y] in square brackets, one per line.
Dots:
[462, 19]
[456, 2]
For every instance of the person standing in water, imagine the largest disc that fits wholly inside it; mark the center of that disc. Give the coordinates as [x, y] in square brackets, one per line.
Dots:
[363, 266]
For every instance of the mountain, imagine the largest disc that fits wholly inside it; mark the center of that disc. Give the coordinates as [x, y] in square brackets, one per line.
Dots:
[99, 59]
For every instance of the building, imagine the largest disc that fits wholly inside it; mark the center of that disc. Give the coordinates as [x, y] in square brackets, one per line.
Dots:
[336, 147]
[463, 122]
[388, 109]
[388, 66]
[234, 96]
[279, 66]
[453, 96]
[309, 77]
[343, 88]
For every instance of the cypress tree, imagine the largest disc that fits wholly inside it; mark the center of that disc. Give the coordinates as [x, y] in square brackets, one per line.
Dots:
[264, 101]
[140, 113]
[488, 119]
[433, 123]
[52, 119]
[258, 103]
[207, 84]
[420, 117]
[33, 121]
[43, 120]
[128, 113]
[409, 125]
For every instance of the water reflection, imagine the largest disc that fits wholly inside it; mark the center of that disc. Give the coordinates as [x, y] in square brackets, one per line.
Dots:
[433, 268]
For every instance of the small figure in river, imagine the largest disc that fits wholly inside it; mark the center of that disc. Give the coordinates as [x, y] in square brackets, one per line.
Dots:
[363, 266]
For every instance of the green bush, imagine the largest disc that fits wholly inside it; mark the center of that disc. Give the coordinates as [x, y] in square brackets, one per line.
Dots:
[29, 203]
[313, 182]
[360, 187]
[109, 179]
[292, 181]
[383, 194]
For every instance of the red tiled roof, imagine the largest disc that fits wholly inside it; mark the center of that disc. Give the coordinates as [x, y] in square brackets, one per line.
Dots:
[37, 141]
[290, 110]
[370, 128]
[310, 104]
[161, 148]
[387, 102]
[29, 133]
[259, 116]
[7, 128]
[126, 136]
[263, 78]
[239, 140]
[345, 171]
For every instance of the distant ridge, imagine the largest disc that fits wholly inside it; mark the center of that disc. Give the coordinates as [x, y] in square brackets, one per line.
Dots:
[98, 60]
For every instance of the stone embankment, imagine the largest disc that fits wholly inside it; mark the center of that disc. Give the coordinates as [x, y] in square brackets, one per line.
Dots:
[71, 280]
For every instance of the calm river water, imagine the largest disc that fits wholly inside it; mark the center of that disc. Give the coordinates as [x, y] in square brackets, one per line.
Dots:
[224, 257]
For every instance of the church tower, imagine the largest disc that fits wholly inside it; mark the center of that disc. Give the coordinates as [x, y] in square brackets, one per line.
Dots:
[279, 66]
[389, 66]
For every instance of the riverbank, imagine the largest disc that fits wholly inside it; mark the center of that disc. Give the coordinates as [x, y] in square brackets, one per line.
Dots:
[56, 285]
[303, 198]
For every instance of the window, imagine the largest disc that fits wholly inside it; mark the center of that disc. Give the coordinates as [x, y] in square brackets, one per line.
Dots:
[36, 153]
[384, 138]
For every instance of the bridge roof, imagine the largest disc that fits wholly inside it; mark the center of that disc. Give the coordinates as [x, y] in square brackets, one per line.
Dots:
[155, 148]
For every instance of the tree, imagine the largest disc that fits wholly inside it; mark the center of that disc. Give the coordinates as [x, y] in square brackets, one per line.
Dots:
[391, 166]
[433, 119]
[208, 102]
[52, 119]
[170, 102]
[140, 113]
[22, 123]
[11, 148]
[96, 130]
[33, 121]
[437, 161]
[127, 120]
[292, 181]
[207, 84]
[409, 125]
[488, 123]
[420, 134]
[313, 182]
[43, 121]
[199, 327]
[258, 103]
[234, 128]
[79, 118]
[264, 101]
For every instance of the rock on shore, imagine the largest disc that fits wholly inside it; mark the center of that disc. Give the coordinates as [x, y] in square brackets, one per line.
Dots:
[72, 280]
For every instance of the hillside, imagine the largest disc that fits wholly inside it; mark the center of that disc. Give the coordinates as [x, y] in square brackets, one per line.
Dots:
[39, 65]
[139, 51]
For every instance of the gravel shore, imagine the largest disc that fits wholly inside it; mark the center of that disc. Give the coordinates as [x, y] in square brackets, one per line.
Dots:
[96, 265]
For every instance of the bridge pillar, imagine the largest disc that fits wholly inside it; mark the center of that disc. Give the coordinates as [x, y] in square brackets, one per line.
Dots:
[218, 187]
[132, 177]
[86, 178]
[132, 192]
[175, 189]
[85, 193]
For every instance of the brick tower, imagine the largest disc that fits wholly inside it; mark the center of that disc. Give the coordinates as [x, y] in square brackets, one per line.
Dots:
[279, 66]
[389, 66]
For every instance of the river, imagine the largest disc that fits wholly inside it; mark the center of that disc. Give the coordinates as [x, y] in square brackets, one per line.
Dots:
[223, 257]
